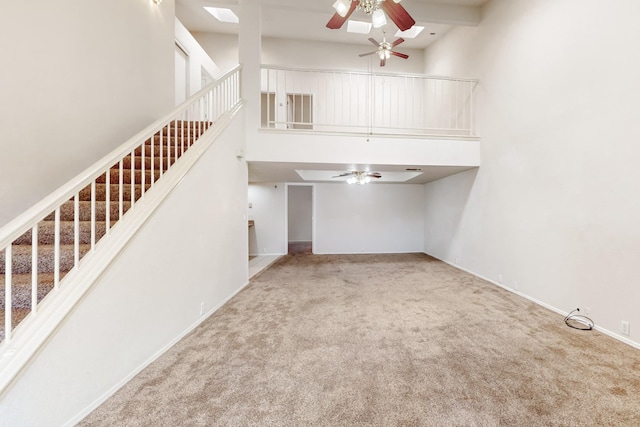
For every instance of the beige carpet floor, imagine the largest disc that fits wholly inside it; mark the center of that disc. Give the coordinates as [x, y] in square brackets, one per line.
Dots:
[381, 340]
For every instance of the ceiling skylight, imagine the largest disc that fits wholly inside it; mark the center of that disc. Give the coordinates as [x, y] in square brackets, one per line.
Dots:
[411, 33]
[223, 14]
[359, 27]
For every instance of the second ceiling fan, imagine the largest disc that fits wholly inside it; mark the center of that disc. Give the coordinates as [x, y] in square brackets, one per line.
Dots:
[385, 49]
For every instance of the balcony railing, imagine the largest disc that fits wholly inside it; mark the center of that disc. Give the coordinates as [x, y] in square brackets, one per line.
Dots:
[363, 102]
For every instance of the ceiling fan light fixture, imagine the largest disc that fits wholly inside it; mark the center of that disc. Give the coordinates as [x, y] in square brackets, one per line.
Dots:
[378, 18]
[384, 54]
[342, 7]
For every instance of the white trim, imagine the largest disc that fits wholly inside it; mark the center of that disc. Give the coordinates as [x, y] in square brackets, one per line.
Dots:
[540, 303]
[313, 213]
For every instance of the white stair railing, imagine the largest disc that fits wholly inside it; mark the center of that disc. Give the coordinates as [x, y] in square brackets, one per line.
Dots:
[366, 102]
[144, 159]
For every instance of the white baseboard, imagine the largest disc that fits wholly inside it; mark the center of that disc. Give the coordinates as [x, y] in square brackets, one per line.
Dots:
[100, 400]
[540, 303]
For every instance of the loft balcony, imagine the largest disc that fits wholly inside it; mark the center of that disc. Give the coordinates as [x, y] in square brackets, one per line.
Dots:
[333, 120]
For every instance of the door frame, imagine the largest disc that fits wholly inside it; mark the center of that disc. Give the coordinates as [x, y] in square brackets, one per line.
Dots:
[313, 212]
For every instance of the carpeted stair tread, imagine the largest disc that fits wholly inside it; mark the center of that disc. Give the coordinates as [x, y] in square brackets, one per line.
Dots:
[67, 232]
[21, 289]
[170, 139]
[21, 257]
[85, 193]
[17, 316]
[187, 131]
[156, 151]
[126, 175]
[148, 163]
[160, 151]
[84, 211]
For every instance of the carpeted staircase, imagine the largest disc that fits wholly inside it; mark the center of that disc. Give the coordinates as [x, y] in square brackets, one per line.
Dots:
[172, 144]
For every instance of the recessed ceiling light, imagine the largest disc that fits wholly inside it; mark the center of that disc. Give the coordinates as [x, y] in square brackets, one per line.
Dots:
[411, 33]
[223, 14]
[359, 27]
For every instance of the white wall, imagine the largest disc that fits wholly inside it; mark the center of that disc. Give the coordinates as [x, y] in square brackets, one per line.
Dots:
[299, 213]
[267, 236]
[223, 48]
[325, 55]
[372, 218]
[78, 79]
[151, 295]
[198, 58]
[553, 211]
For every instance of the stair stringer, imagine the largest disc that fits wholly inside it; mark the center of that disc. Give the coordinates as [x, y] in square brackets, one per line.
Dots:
[39, 332]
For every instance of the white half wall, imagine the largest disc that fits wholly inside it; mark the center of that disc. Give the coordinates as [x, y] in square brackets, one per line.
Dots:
[79, 78]
[553, 211]
[189, 258]
[372, 218]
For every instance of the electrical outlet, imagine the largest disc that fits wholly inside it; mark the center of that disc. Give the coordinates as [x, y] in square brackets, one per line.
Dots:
[500, 278]
[515, 285]
[624, 327]
[201, 308]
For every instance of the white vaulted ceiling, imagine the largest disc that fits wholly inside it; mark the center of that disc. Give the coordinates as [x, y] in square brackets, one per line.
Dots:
[306, 19]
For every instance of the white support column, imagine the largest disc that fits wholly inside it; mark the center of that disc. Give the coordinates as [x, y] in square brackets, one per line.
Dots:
[249, 50]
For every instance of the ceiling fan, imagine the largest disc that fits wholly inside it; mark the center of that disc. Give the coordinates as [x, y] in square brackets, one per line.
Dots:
[376, 8]
[359, 177]
[385, 49]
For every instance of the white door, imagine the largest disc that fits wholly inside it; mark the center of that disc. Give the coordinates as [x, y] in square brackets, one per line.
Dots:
[182, 75]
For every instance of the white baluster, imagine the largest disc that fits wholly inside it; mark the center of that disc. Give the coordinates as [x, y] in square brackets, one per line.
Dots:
[76, 230]
[120, 190]
[133, 179]
[7, 293]
[34, 271]
[56, 249]
[93, 214]
[107, 198]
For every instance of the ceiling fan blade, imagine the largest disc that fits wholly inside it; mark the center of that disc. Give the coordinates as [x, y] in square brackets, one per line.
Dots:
[401, 55]
[375, 175]
[397, 42]
[398, 15]
[372, 40]
[368, 53]
[336, 20]
[343, 175]
[382, 62]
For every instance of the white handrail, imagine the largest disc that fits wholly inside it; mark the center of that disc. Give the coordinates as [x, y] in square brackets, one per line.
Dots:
[37, 212]
[191, 118]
